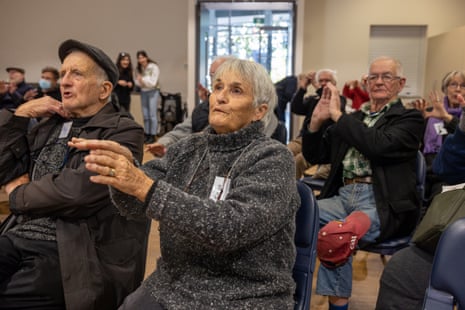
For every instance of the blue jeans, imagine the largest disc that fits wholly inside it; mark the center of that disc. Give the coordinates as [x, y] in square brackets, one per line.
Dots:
[354, 197]
[149, 101]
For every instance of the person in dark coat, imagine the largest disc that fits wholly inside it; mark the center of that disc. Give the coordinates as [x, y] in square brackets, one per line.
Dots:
[48, 85]
[285, 89]
[125, 83]
[302, 105]
[12, 92]
[68, 247]
[406, 276]
[373, 154]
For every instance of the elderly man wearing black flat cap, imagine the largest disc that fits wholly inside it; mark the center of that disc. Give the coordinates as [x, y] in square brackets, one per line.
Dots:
[66, 246]
[12, 91]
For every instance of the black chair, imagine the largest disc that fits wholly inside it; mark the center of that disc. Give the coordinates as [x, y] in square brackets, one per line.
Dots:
[315, 183]
[306, 234]
[446, 288]
[390, 246]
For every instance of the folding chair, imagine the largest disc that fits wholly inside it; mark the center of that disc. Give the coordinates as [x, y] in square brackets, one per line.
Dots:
[446, 288]
[307, 226]
[390, 246]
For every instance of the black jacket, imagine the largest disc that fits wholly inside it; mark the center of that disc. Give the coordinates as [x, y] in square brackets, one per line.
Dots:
[123, 92]
[13, 100]
[101, 253]
[391, 146]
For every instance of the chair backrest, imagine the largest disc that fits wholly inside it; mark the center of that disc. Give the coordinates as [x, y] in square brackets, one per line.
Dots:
[446, 286]
[306, 234]
[421, 177]
[390, 246]
[315, 183]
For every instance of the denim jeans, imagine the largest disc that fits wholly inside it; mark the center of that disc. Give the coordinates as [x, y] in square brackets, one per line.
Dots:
[354, 197]
[149, 101]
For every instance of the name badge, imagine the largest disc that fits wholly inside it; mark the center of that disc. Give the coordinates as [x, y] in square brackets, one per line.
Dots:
[439, 128]
[220, 188]
[65, 130]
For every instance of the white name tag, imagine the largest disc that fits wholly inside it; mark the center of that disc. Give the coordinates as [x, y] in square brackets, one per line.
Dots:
[220, 188]
[440, 130]
[65, 129]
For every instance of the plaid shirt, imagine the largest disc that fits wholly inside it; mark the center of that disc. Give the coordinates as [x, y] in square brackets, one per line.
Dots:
[355, 163]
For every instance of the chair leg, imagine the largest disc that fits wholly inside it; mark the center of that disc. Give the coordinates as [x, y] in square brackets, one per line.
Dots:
[383, 259]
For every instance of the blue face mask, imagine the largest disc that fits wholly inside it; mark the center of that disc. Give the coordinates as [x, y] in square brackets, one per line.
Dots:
[45, 84]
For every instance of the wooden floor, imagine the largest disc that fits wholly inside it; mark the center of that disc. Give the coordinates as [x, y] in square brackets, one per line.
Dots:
[367, 269]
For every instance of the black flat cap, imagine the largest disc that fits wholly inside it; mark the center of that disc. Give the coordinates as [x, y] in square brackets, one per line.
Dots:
[93, 52]
[15, 69]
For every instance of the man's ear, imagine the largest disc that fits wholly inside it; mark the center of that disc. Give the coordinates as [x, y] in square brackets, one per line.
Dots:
[260, 111]
[402, 84]
[106, 89]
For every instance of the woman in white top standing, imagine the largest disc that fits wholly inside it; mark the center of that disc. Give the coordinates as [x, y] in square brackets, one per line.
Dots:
[147, 75]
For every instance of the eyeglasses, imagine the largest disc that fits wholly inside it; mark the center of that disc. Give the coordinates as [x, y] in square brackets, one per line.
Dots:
[385, 77]
[456, 85]
[122, 54]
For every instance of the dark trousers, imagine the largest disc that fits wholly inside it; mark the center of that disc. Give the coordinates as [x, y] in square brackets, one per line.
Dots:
[140, 299]
[30, 276]
[404, 280]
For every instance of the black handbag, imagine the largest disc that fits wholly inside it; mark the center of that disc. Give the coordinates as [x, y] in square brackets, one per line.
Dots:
[445, 208]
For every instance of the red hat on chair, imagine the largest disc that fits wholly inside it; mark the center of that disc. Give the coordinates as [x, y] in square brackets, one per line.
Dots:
[338, 239]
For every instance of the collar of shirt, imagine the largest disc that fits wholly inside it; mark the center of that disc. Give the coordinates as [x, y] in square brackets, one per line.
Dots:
[370, 118]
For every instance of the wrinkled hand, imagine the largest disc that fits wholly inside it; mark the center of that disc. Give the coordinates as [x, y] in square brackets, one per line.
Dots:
[12, 185]
[41, 107]
[30, 94]
[434, 108]
[321, 112]
[305, 79]
[461, 100]
[12, 87]
[329, 107]
[421, 105]
[114, 166]
[352, 84]
[123, 83]
[157, 149]
[203, 92]
[439, 110]
[334, 101]
[3, 87]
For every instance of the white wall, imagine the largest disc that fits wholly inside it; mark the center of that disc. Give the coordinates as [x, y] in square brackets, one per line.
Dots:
[336, 32]
[32, 31]
[446, 52]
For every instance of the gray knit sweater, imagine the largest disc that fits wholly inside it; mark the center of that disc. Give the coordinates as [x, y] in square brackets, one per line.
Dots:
[236, 253]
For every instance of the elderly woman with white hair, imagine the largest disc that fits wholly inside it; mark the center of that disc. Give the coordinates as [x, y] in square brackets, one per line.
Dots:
[225, 200]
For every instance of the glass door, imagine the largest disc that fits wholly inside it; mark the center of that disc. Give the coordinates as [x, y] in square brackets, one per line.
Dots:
[259, 31]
